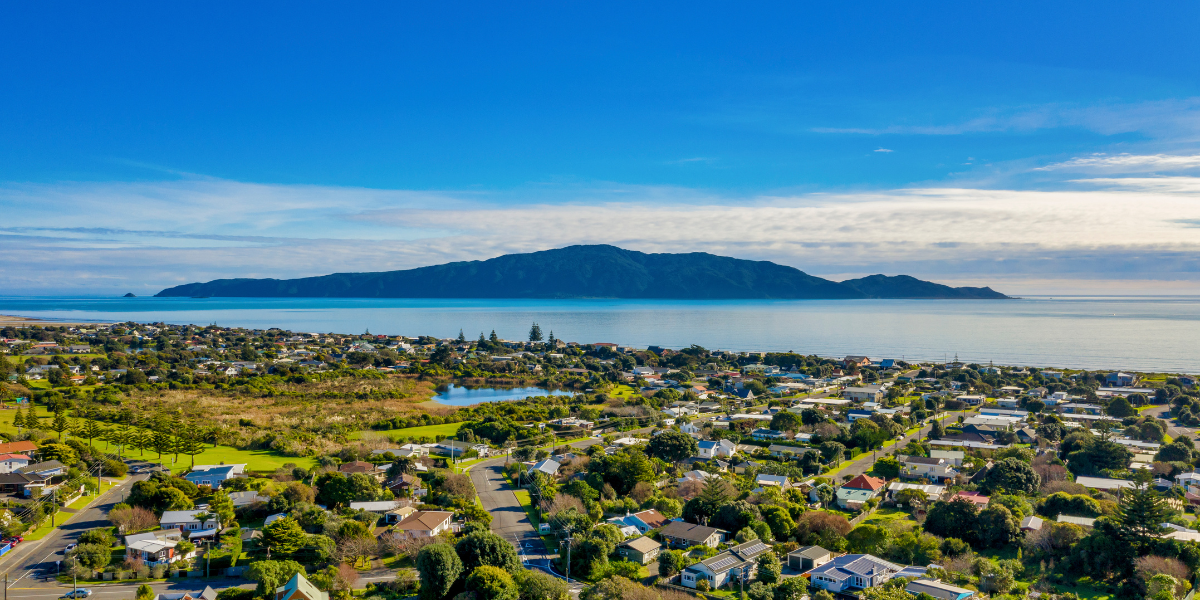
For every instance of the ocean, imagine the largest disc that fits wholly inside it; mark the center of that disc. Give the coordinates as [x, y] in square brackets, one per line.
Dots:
[1135, 333]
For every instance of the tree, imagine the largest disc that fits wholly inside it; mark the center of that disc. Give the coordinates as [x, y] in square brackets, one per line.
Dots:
[92, 556]
[769, 568]
[867, 435]
[19, 419]
[284, 536]
[60, 452]
[670, 562]
[792, 588]
[439, 568]
[785, 421]
[1120, 407]
[1140, 515]
[887, 467]
[779, 520]
[868, 539]
[535, 585]
[936, 431]
[491, 583]
[672, 446]
[1014, 476]
[810, 417]
[60, 423]
[535, 333]
[997, 526]
[271, 574]
[1174, 452]
[484, 548]
[145, 592]
[950, 519]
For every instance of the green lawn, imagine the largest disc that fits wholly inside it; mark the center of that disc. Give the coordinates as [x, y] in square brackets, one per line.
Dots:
[430, 431]
[255, 460]
[6, 417]
[883, 515]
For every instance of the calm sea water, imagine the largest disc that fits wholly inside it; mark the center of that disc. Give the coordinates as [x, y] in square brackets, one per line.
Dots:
[457, 395]
[1143, 333]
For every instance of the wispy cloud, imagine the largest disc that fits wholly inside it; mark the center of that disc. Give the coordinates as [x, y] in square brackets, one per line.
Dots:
[1176, 119]
[688, 161]
[884, 150]
[1127, 163]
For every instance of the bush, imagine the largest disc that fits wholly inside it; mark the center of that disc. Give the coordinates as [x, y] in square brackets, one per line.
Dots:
[235, 593]
[702, 585]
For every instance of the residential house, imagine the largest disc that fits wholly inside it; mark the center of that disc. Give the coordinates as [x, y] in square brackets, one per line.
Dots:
[642, 550]
[643, 521]
[976, 498]
[1080, 521]
[932, 492]
[970, 400]
[28, 485]
[548, 466]
[153, 548]
[206, 594]
[360, 466]
[855, 493]
[696, 476]
[455, 448]
[764, 481]
[49, 468]
[953, 457]
[851, 572]
[814, 495]
[807, 558]
[1120, 379]
[247, 498]
[12, 462]
[23, 447]
[185, 520]
[868, 393]
[764, 434]
[680, 534]
[861, 361]
[937, 589]
[299, 588]
[922, 467]
[1104, 483]
[423, 523]
[720, 448]
[407, 450]
[1031, 523]
[734, 565]
[404, 485]
[214, 475]
[782, 451]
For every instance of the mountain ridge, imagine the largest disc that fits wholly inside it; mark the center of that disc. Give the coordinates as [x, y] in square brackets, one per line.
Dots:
[587, 271]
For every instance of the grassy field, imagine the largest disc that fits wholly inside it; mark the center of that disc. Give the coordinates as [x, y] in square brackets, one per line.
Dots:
[884, 515]
[430, 431]
[6, 417]
[255, 460]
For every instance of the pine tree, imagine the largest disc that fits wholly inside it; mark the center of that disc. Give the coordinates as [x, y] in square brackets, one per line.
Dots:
[715, 492]
[551, 338]
[462, 339]
[481, 338]
[535, 333]
[494, 337]
[31, 420]
[19, 419]
[1141, 514]
[60, 424]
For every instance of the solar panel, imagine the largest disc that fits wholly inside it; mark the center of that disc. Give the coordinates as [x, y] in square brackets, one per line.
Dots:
[721, 564]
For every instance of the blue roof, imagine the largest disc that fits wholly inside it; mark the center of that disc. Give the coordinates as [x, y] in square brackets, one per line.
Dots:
[222, 470]
[863, 565]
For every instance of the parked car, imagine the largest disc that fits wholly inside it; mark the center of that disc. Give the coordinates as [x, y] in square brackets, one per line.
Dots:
[79, 593]
[69, 548]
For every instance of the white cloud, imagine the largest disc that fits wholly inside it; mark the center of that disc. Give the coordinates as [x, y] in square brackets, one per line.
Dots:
[1176, 119]
[884, 150]
[1127, 163]
[143, 237]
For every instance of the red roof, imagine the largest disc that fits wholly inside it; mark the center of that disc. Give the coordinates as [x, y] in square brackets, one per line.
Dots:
[4, 457]
[653, 518]
[865, 482]
[975, 497]
[17, 447]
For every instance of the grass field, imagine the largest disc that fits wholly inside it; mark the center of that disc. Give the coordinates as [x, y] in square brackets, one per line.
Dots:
[255, 460]
[884, 515]
[430, 431]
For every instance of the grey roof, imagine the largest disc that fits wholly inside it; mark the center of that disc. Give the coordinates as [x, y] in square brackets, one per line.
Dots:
[937, 589]
[922, 460]
[735, 556]
[813, 552]
[642, 544]
[1031, 522]
[688, 531]
[856, 564]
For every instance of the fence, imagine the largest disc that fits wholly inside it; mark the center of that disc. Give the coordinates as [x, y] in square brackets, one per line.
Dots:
[862, 516]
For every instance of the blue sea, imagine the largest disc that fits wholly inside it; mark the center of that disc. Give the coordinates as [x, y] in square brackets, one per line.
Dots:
[1139, 333]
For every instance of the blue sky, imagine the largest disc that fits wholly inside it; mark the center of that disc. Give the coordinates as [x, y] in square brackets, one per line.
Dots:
[1039, 147]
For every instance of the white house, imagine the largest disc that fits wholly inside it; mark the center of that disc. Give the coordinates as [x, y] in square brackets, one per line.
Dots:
[12, 462]
[921, 467]
[423, 523]
[185, 520]
[721, 448]
[858, 572]
[953, 457]
[734, 565]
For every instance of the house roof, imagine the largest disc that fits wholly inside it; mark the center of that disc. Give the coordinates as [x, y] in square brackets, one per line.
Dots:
[1085, 521]
[734, 557]
[853, 495]
[299, 584]
[810, 552]
[688, 531]
[863, 565]
[183, 516]
[947, 454]
[642, 544]
[547, 466]
[653, 518]
[973, 497]
[424, 520]
[937, 589]
[1031, 522]
[357, 466]
[864, 482]
[923, 460]
[42, 466]
[6, 457]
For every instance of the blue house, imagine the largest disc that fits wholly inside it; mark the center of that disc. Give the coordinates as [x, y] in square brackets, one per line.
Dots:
[214, 475]
[937, 589]
[858, 572]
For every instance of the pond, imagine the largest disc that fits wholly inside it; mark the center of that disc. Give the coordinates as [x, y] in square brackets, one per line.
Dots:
[457, 395]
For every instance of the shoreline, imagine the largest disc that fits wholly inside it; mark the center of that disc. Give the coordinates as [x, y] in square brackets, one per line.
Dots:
[16, 321]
